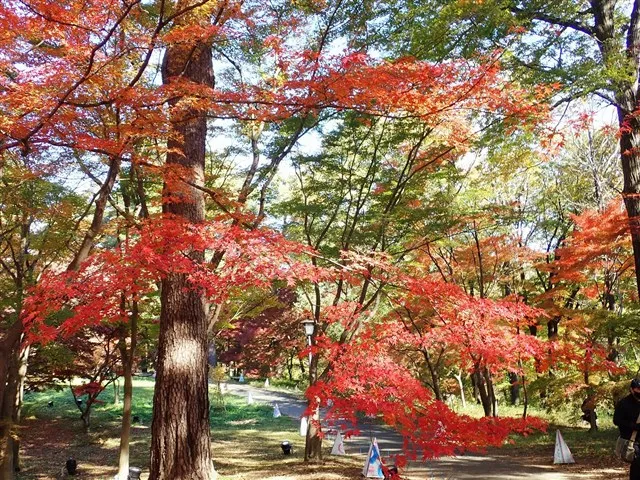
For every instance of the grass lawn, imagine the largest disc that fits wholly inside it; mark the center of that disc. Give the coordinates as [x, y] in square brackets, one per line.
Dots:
[245, 440]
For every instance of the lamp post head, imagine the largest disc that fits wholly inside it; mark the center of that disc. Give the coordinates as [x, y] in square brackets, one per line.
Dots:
[309, 327]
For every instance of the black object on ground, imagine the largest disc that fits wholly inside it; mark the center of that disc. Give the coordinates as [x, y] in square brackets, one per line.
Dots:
[134, 473]
[72, 466]
[286, 447]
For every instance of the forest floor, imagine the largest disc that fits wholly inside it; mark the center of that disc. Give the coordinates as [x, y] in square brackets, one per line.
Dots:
[248, 454]
[246, 446]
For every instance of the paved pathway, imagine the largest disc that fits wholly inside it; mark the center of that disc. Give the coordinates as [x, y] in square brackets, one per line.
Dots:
[479, 467]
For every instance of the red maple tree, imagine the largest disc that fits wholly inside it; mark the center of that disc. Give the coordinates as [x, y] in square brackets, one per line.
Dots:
[79, 77]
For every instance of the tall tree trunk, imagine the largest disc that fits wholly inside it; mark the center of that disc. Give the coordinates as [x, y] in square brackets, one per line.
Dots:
[8, 466]
[491, 392]
[116, 392]
[23, 362]
[313, 440]
[128, 356]
[7, 470]
[525, 395]
[479, 381]
[630, 155]
[626, 96]
[180, 443]
[86, 419]
[301, 367]
[125, 433]
[290, 368]
[435, 378]
[514, 389]
[475, 393]
[593, 421]
[180, 430]
[461, 385]
[10, 355]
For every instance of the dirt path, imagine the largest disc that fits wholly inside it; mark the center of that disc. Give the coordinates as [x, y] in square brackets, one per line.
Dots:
[499, 465]
[509, 467]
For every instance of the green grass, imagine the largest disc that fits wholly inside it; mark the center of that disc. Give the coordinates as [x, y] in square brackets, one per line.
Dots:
[574, 430]
[224, 414]
[235, 411]
[52, 433]
[103, 413]
[581, 442]
[245, 438]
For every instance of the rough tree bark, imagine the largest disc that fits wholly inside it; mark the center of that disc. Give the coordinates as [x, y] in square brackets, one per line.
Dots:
[180, 444]
[10, 369]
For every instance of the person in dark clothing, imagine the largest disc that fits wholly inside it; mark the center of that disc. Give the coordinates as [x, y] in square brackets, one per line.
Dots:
[625, 417]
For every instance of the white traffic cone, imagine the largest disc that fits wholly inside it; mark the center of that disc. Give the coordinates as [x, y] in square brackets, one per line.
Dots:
[338, 445]
[561, 453]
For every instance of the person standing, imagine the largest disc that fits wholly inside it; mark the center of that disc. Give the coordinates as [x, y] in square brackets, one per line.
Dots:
[625, 417]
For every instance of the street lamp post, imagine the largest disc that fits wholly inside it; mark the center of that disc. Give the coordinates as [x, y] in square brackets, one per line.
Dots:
[309, 329]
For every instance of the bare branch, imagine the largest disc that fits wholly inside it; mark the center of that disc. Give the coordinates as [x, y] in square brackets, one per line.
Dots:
[553, 20]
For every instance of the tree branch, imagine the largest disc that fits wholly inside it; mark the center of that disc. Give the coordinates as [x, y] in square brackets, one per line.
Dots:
[553, 20]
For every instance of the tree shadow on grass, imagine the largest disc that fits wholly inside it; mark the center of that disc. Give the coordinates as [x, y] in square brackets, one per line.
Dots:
[47, 444]
[251, 454]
